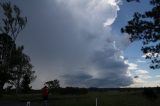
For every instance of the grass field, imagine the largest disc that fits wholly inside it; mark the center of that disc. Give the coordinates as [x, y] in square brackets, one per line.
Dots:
[114, 98]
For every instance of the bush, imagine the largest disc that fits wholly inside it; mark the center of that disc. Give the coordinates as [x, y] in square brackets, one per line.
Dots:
[150, 94]
[73, 91]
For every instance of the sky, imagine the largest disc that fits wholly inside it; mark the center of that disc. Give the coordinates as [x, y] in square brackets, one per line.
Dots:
[79, 43]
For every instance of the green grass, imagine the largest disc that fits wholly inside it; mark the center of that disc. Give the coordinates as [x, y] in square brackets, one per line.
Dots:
[104, 99]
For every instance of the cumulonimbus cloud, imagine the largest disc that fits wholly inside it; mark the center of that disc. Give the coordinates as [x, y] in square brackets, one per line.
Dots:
[72, 40]
[104, 68]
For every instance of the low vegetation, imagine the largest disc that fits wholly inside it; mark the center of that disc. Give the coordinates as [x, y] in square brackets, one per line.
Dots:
[111, 97]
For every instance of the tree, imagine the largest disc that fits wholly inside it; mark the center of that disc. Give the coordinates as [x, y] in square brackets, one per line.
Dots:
[6, 43]
[13, 22]
[53, 84]
[13, 67]
[14, 64]
[27, 78]
[25, 83]
[146, 28]
[21, 67]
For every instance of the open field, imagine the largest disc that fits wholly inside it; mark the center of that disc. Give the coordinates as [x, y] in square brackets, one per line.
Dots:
[114, 98]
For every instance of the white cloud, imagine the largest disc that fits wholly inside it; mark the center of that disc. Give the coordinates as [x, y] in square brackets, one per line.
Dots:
[146, 77]
[141, 72]
[140, 76]
[94, 11]
[109, 22]
[91, 15]
[138, 81]
[140, 61]
[132, 66]
[143, 80]
[157, 76]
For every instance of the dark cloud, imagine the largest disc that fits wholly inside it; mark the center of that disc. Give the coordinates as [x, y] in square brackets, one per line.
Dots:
[67, 40]
[85, 80]
[111, 71]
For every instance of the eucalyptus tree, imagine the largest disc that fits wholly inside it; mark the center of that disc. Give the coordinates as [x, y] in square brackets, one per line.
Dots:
[11, 24]
[53, 85]
[21, 67]
[14, 64]
[6, 43]
[145, 27]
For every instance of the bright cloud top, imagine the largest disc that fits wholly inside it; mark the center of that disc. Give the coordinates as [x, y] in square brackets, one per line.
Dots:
[102, 12]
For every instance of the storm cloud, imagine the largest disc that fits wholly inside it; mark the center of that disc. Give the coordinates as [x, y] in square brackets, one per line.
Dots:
[72, 40]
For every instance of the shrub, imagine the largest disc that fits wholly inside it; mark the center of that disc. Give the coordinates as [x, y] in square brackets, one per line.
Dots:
[150, 94]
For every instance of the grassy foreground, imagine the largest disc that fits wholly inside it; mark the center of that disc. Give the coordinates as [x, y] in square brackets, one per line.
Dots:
[104, 99]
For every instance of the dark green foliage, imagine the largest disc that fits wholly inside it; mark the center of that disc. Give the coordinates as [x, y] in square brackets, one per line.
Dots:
[73, 91]
[53, 86]
[13, 22]
[150, 94]
[6, 43]
[105, 98]
[146, 28]
[25, 83]
[21, 67]
[14, 64]
[9, 29]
